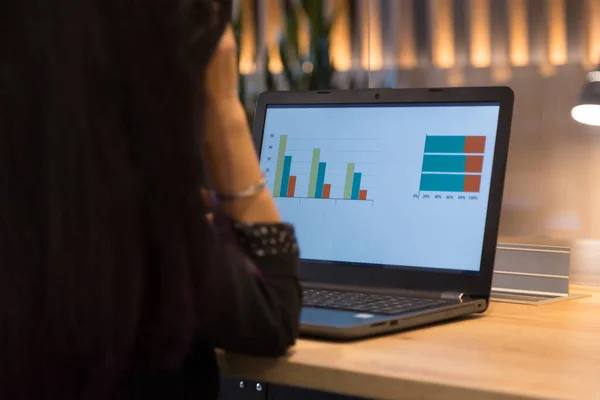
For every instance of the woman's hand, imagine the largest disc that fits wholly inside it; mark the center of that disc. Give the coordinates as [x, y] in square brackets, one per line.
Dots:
[231, 161]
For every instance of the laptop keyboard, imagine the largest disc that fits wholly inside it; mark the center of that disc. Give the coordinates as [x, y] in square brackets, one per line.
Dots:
[366, 302]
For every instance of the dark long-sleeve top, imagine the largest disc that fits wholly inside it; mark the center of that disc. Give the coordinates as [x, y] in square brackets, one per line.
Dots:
[252, 306]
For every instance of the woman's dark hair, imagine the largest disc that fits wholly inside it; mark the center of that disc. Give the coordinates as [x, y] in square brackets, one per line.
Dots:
[102, 233]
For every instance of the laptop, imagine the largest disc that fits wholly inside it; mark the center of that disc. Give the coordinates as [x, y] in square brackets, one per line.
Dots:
[395, 195]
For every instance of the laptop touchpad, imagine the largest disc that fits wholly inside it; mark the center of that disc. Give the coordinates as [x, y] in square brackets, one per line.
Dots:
[328, 317]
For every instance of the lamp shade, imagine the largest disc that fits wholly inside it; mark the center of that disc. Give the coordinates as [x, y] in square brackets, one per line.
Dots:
[588, 110]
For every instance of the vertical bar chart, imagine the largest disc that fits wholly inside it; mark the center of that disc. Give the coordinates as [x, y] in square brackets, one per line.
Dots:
[326, 191]
[356, 185]
[279, 167]
[452, 164]
[291, 191]
[320, 180]
[309, 176]
[285, 176]
[349, 180]
[314, 169]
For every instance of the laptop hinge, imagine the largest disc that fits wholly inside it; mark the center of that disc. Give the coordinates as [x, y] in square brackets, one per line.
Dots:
[456, 296]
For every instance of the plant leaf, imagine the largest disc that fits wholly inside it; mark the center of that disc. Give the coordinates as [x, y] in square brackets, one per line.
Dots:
[287, 66]
[291, 31]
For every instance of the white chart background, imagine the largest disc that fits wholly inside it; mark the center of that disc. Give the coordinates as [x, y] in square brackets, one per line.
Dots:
[387, 145]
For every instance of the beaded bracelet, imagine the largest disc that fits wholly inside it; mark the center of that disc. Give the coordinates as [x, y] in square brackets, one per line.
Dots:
[267, 239]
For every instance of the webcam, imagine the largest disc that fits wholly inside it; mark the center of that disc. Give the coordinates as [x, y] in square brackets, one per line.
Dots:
[376, 96]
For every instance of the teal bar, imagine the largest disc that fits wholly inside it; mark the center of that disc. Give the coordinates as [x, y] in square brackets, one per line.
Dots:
[285, 176]
[320, 180]
[442, 183]
[445, 144]
[356, 185]
[440, 163]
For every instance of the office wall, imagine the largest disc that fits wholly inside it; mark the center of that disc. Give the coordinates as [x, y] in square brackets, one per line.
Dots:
[540, 48]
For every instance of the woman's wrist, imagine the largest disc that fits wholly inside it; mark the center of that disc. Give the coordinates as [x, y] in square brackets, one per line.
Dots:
[260, 208]
[231, 160]
[230, 173]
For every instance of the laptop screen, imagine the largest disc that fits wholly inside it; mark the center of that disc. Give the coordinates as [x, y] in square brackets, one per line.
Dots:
[394, 185]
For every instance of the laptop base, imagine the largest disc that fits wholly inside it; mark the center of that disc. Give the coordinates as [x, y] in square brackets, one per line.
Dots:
[349, 325]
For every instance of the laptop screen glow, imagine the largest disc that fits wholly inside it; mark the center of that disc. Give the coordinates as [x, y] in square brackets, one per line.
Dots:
[402, 185]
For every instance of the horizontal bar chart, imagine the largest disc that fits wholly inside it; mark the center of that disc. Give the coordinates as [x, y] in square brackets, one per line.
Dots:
[450, 183]
[452, 164]
[455, 144]
[472, 183]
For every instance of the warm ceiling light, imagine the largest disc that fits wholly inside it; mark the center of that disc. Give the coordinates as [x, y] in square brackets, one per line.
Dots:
[588, 110]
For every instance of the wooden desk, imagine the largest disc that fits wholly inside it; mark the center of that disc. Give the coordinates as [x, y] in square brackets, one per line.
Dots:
[513, 352]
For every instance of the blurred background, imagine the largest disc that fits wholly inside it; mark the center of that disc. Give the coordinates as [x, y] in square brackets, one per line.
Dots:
[542, 49]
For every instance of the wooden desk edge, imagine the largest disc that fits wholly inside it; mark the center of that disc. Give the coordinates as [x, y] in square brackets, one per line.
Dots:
[369, 386]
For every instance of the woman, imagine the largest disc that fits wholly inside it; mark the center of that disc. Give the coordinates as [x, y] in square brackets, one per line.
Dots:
[113, 283]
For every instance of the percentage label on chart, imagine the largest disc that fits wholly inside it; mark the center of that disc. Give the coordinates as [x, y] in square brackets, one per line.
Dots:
[443, 196]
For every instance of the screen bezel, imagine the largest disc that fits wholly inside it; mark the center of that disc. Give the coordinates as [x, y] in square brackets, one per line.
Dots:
[475, 283]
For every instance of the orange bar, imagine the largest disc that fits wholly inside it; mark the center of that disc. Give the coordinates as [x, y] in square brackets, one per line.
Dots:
[475, 144]
[291, 186]
[326, 190]
[362, 195]
[474, 164]
[472, 183]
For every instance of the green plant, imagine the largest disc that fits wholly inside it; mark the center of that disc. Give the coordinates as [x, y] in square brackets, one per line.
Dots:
[314, 71]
